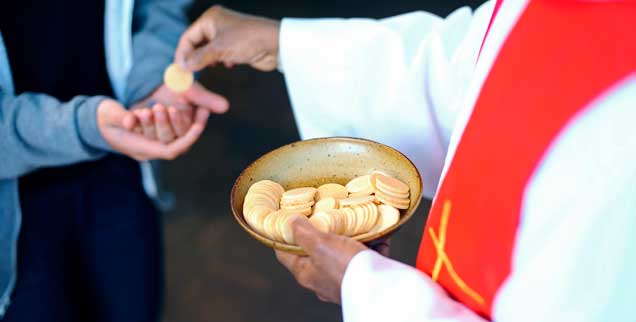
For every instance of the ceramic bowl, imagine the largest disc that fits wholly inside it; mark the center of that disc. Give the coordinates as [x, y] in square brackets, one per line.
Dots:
[318, 161]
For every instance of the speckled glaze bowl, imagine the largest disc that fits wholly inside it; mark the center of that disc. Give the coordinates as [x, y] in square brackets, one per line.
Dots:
[319, 161]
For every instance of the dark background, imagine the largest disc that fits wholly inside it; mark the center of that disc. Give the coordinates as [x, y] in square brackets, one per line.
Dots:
[214, 270]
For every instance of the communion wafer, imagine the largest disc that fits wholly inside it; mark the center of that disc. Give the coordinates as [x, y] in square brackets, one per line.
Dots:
[268, 226]
[360, 218]
[286, 228]
[388, 216]
[321, 221]
[271, 188]
[393, 194]
[271, 184]
[298, 196]
[351, 221]
[263, 193]
[373, 216]
[278, 222]
[380, 172]
[326, 204]
[360, 186]
[390, 193]
[391, 184]
[353, 201]
[296, 206]
[303, 211]
[367, 205]
[395, 202]
[253, 200]
[331, 190]
[338, 221]
[268, 184]
[304, 208]
[256, 216]
[177, 78]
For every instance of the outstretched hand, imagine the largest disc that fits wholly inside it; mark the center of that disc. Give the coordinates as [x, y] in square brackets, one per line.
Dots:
[328, 257]
[224, 36]
[166, 115]
[116, 126]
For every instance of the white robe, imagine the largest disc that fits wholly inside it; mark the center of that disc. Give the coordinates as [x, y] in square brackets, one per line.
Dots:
[411, 82]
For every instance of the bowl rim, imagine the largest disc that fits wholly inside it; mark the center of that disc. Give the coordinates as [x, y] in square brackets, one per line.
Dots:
[295, 249]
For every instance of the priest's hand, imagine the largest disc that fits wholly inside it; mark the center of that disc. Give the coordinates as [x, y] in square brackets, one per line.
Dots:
[116, 126]
[166, 115]
[224, 36]
[328, 257]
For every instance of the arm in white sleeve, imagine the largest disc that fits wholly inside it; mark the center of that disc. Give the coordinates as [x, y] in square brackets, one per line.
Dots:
[379, 289]
[398, 80]
[575, 253]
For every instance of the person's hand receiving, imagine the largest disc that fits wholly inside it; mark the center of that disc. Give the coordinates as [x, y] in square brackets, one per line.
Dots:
[116, 126]
[166, 115]
[224, 36]
[328, 257]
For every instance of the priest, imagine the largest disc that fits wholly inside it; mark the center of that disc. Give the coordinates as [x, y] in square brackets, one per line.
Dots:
[520, 116]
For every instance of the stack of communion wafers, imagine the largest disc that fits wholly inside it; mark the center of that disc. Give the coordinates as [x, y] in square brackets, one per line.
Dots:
[366, 205]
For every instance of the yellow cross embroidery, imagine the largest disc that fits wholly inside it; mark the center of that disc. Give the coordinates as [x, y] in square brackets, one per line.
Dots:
[442, 258]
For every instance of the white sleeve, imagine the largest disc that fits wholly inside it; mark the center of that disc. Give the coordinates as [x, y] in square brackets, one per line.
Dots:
[376, 288]
[575, 256]
[398, 80]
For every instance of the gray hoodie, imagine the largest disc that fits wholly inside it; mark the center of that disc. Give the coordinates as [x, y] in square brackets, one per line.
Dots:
[38, 131]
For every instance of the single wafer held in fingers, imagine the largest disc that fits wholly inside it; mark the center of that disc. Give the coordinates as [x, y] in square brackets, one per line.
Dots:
[178, 79]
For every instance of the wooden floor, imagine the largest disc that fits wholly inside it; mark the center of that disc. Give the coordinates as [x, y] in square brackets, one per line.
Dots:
[215, 271]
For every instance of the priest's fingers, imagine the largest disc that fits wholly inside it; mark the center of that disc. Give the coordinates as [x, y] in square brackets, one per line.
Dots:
[308, 237]
[201, 32]
[301, 268]
[382, 246]
[200, 96]
[288, 260]
[207, 55]
[330, 253]
[322, 298]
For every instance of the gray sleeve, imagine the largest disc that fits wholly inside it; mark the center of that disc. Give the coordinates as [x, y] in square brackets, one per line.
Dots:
[37, 130]
[157, 27]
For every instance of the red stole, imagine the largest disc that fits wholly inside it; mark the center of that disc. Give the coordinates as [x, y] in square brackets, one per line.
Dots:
[559, 56]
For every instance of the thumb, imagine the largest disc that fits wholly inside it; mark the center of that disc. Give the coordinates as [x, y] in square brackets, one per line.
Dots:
[114, 114]
[201, 57]
[306, 235]
[202, 97]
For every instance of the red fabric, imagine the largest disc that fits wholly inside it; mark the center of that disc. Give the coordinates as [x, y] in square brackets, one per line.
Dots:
[492, 18]
[558, 58]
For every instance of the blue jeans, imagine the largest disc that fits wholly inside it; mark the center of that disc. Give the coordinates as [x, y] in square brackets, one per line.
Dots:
[90, 246]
